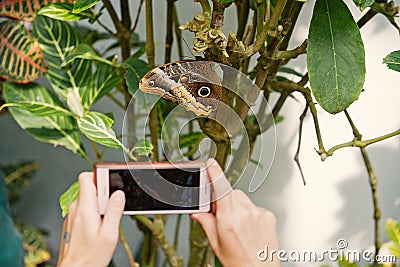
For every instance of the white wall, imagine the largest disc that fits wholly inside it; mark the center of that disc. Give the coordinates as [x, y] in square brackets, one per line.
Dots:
[336, 203]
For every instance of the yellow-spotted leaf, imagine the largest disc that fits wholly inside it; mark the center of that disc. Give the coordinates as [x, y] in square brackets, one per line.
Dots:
[21, 59]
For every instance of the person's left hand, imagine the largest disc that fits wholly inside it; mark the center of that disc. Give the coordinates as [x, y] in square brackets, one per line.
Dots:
[88, 239]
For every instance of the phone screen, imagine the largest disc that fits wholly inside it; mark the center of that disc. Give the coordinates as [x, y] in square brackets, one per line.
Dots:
[140, 198]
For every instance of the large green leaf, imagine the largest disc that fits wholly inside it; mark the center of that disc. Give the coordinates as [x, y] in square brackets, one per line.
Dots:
[57, 39]
[21, 58]
[57, 130]
[98, 128]
[104, 80]
[136, 69]
[24, 10]
[68, 197]
[393, 60]
[40, 103]
[64, 11]
[84, 51]
[18, 175]
[335, 56]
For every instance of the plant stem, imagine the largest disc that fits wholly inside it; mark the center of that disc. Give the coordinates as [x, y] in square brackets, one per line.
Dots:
[205, 5]
[272, 24]
[132, 262]
[153, 124]
[137, 16]
[96, 151]
[178, 33]
[361, 143]
[373, 181]
[169, 35]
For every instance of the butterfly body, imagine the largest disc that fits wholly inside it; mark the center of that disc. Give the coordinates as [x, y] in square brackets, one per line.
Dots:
[193, 84]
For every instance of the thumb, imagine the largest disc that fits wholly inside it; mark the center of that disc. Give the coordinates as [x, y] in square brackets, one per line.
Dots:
[113, 213]
[209, 224]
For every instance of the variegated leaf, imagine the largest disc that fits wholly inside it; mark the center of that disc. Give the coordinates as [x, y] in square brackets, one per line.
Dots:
[57, 40]
[21, 59]
[24, 9]
[56, 130]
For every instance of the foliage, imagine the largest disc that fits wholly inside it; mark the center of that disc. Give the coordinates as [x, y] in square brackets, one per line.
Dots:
[79, 74]
[17, 176]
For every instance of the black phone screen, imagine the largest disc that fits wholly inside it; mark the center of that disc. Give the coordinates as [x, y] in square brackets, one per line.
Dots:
[141, 197]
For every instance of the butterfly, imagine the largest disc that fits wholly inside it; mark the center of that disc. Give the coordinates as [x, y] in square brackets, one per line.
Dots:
[193, 84]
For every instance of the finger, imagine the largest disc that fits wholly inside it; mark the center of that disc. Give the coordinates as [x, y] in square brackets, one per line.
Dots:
[239, 197]
[87, 201]
[114, 210]
[220, 184]
[209, 224]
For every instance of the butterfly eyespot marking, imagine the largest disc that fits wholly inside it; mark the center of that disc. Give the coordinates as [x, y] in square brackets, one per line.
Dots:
[151, 83]
[204, 91]
[184, 79]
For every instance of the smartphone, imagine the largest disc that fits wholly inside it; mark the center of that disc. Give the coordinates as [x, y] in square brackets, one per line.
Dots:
[155, 188]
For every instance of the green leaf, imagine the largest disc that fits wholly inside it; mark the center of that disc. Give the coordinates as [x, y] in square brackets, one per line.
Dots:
[98, 128]
[63, 11]
[335, 56]
[57, 39]
[225, 1]
[392, 228]
[23, 10]
[43, 104]
[57, 130]
[74, 102]
[136, 69]
[84, 51]
[142, 147]
[363, 4]
[68, 197]
[191, 139]
[104, 80]
[393, 60]
[82, 5]
[18, 175]
[22, 59]
[389, 14]
[36, 251]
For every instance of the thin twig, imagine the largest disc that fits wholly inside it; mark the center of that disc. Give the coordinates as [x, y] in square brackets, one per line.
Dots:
[137, 16]
[132, 262]
[297, 155]
[169, 38]
[272, 24]
[373, 181]
[178, 33]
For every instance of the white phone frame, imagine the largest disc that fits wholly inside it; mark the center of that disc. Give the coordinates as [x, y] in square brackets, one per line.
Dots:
[101, 172]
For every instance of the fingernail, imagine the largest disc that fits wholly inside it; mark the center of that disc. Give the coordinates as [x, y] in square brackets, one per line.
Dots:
[118, 196]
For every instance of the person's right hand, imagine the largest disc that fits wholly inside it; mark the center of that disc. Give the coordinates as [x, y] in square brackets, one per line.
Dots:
[238, 229]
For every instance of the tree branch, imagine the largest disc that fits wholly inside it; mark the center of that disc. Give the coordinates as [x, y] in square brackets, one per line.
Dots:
[373, 181]
[271, 26]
